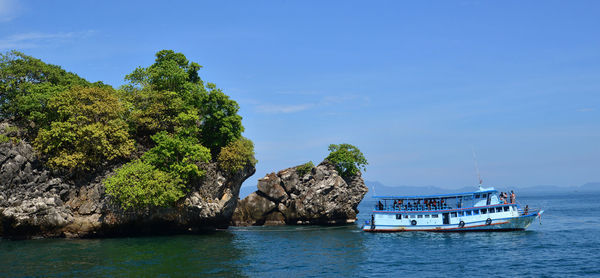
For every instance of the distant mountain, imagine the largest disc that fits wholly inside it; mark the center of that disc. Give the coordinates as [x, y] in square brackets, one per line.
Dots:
[590, 186]
[378, 189]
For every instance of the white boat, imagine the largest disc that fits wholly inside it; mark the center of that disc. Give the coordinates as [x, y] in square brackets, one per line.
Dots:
[482, 210]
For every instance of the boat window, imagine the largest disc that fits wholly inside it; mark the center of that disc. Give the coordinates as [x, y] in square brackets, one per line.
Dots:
[483, 211]
[468, 213]
[475, 212]
[453, 214]
[398, 216]
[461, 213]
[434, 216]
[491, 210]
[477, 196]
[483, 196]
[426, 215]
[406, 216]
[419, 216]
[498, 209]
[412, 216]
[505, 208]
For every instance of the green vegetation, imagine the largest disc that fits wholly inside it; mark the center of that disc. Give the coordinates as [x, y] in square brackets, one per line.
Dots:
[88, 129]
[237, 155]
[177, 155]
[348, 159]
[26, 86]
[165, 119]
[140, 185]
[9, 134]
[304, 168]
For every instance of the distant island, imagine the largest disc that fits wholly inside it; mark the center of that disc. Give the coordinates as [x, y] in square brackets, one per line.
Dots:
[378, 189]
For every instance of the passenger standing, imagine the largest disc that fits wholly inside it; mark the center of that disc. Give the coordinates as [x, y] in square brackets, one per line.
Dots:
[513, 198]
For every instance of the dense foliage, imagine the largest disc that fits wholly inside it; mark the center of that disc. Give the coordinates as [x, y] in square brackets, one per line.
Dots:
[237, 155]
[348, 159]
[140, 185]
[88, 129]
[304, 168]
[177, 155]
[170, 96]
[26, 86]
[165, 118]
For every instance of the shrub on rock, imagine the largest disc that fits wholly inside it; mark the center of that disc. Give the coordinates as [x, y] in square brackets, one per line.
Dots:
[347, 159]
[141, 185]
[237, 155]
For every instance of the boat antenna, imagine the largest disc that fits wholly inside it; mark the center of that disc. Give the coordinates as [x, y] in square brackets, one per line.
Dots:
[477, 167]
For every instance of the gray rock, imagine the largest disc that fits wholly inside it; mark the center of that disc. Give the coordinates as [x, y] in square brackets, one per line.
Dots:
[270, 186]
[321, 196]
[37, 203]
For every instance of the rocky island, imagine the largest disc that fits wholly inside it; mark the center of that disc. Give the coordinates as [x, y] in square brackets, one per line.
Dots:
[161, 154]
[328, 193]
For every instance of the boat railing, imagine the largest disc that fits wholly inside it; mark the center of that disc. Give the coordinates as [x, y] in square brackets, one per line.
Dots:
[411, 208]
[528, 211]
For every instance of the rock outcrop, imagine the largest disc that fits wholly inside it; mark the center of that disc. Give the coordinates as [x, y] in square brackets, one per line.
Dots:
[320, 196]
[35, 202]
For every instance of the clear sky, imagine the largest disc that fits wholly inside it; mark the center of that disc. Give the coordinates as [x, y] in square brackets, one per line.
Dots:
[416, 85]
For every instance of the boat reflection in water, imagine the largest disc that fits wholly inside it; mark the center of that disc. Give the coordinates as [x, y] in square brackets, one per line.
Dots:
[482, 210]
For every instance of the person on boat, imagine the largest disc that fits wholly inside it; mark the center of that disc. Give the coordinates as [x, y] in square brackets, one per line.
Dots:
[418, 205]
[428, 204]
[526, 209]
[433, 203]
[502, 198]
[379, 205]
[442, 204]
[395, 203]
[409, 206]
[513, 198]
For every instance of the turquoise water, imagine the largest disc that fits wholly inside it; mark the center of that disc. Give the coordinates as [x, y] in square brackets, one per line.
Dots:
[567, 243]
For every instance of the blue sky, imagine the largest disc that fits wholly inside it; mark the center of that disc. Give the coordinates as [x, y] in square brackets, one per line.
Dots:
[415, 85]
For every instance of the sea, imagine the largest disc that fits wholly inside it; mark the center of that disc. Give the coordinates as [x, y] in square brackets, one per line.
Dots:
[566, 243]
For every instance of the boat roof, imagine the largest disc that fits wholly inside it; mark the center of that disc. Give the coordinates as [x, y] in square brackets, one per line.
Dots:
[481, 190]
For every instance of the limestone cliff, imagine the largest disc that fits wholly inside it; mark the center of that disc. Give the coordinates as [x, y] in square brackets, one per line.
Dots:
[320, 196]
[34, 202]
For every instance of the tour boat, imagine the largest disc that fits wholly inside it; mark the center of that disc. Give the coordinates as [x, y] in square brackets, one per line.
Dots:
[482, 210]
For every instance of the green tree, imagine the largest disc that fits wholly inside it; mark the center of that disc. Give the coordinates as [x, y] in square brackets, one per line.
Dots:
[221, 124]
[237, 155]
[88, 130]
[348, 159]
[140, 185]
[172, 97]
[177, 155]
[26, 86]
[170, 72]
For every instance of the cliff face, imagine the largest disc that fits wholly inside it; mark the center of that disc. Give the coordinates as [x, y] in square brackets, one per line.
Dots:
[321, 196]
[37, 203]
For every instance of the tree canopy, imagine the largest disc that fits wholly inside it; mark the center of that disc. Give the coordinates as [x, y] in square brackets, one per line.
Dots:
[170, 96]
[165, 119]
[348, 159]
[88, 129]
[26, 86]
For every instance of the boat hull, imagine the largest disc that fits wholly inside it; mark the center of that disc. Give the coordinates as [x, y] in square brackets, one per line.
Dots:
[503, 224]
